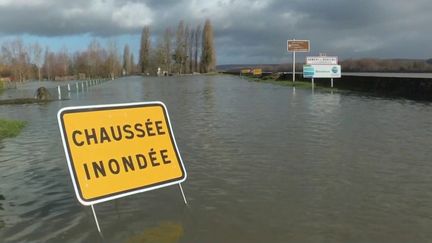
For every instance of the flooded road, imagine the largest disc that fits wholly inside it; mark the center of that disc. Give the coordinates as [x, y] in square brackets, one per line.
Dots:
[265, 163]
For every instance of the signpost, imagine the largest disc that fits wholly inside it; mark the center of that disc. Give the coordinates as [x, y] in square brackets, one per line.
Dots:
[118, 150]
[297, 46]
[322, 60]
[321, 71]
[322, 67]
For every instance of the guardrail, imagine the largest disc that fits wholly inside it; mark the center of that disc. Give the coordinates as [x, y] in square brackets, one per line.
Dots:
[77, 87]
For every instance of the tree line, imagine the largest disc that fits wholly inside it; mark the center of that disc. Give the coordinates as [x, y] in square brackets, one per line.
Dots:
[386, 65]
[192, 50]
[20, 62]
[188, 50]
[348, 65]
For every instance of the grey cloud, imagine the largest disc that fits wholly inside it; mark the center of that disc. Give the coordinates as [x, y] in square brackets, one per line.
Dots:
[52, 19]
[252, 31]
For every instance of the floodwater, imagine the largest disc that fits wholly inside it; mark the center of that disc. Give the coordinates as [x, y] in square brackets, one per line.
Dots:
[265, 163]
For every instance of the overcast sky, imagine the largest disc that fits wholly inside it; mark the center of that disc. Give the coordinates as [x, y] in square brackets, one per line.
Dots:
[245, 31]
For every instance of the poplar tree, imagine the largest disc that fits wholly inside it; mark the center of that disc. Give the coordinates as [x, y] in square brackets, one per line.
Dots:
[180, 51]
[132, 64]
[185, 64]
[167, 46]
[144, 58]
[208, 55]
[197, 44]
[190, 50]
[127, 66]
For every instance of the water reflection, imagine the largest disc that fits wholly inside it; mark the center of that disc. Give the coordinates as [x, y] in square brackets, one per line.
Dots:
[166, 232]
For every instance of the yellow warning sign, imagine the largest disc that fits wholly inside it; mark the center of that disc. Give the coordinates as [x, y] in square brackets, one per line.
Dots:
[118, 150]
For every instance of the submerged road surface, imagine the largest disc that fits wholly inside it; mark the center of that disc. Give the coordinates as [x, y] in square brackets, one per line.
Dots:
[265, 163]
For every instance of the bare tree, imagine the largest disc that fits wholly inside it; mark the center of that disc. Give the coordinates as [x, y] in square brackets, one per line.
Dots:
[144, 58]
[48, 63]
[95, 59]
[62, 63]
[208, 55]
[80, 63]
[37, 58]
[17, 56]
[113, 60]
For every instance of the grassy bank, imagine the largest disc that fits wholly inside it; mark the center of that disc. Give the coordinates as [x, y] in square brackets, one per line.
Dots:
[24, 101]
[10, 128]
[289, 83]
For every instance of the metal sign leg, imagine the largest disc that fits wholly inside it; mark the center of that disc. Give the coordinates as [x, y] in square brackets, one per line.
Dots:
[184, 197]
[293, 66]
[96, 220]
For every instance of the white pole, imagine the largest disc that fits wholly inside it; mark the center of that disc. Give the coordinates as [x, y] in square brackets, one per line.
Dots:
[59, 92]
[184, 197]
[68, 87]
[293, 67]
[96, 220]
[313, 86]
[77, 87]
[331, 82]
[82, 86]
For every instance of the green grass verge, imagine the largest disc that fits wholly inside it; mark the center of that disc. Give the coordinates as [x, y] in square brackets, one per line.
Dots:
[10, 128]
[211, 73]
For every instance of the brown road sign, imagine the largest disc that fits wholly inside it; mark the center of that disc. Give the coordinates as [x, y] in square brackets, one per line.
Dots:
[298, 45]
